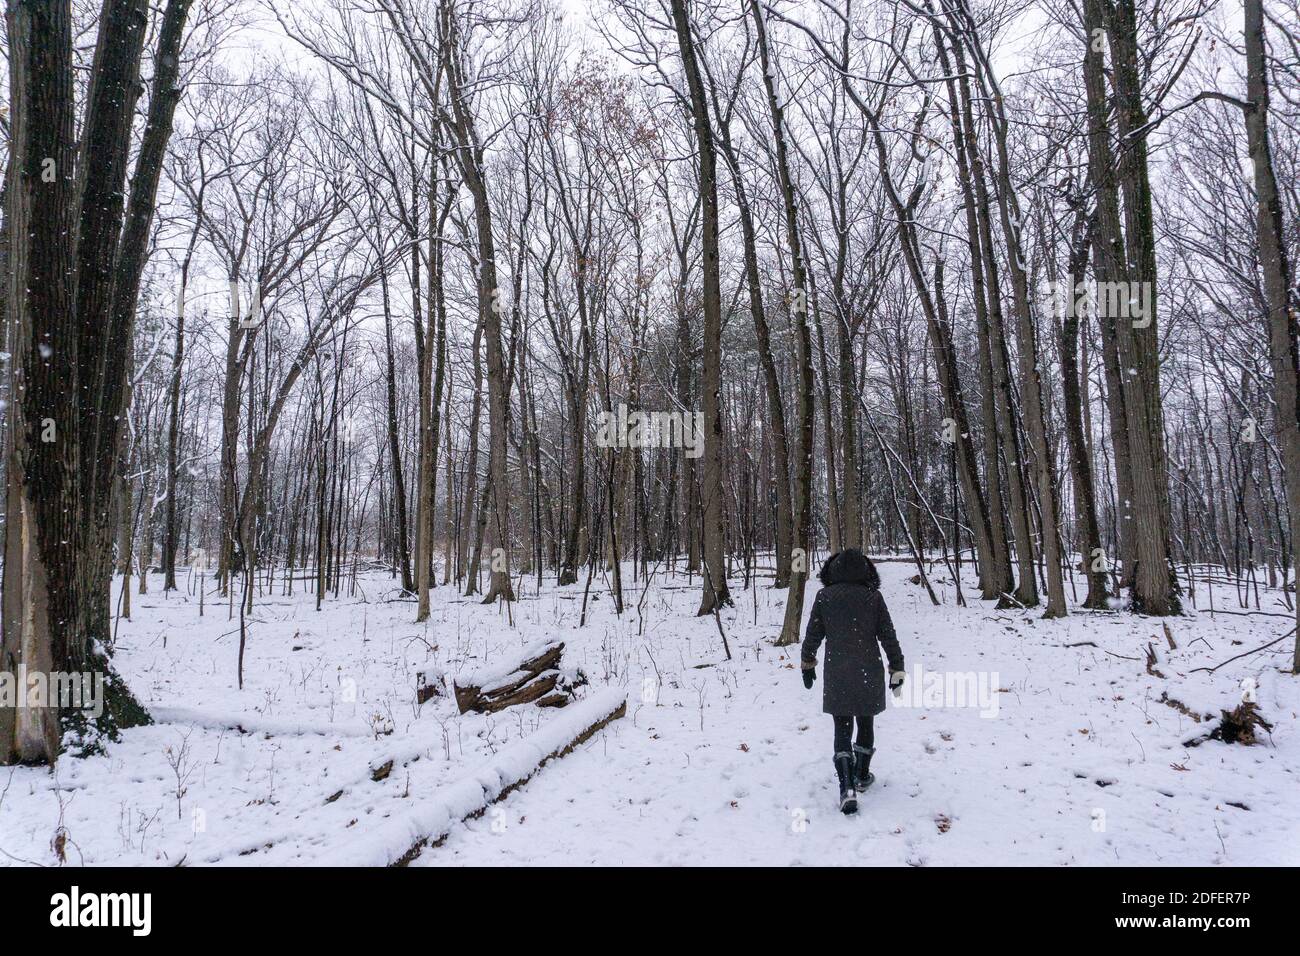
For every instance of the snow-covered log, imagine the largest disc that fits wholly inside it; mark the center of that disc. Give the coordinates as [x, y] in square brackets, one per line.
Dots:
[401, 838]
[532, 676]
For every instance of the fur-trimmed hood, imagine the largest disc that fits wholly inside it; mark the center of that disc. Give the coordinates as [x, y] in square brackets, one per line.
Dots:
[850, 566]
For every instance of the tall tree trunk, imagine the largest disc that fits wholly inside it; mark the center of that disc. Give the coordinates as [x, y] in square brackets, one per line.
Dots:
[469, 156]
[939, 328]
[1031, 389]
[1074, 388]
[771, 383]
[79, 251]
[716, 593]
[170, 531]
[829, 443]
[1276, 268]
[1026, 593]
[793, 621]
[230, 559]
[437, 339]
[997, 580]
[1139, 218]
[1133, 363]
[425, 470]
[451, 541]
[851, 512]
[403, 555]
[41, 530]
[469, 486]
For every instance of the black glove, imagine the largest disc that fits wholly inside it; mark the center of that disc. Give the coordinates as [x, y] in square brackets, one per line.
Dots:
[809, 675]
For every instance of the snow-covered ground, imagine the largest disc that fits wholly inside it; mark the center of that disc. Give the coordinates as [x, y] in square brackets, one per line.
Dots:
[1037, 753]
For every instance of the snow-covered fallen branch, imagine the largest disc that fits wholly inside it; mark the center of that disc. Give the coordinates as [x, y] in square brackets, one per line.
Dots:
[260, 724]
[400, 839]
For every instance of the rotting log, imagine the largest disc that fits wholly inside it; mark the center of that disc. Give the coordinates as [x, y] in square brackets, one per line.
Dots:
[534, 678]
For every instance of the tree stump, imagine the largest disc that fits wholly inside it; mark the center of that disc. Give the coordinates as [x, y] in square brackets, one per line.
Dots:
[429, 683]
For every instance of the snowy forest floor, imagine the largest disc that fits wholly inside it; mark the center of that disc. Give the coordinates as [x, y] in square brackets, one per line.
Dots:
[1070, 757]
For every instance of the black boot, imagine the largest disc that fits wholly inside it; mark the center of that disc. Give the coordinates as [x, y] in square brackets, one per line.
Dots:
[844, 769]
[862, 775]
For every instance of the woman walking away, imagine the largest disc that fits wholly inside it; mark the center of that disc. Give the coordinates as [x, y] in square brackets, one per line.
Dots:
[849, 614]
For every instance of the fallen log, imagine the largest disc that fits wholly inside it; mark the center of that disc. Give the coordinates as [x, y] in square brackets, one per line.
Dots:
[402, 837]
[533, 676]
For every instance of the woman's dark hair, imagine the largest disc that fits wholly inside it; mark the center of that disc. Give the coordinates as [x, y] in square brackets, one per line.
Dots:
[850, 566]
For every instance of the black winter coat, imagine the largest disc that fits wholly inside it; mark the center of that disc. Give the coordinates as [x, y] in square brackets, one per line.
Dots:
[849, 614]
